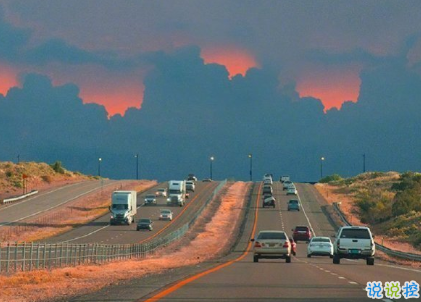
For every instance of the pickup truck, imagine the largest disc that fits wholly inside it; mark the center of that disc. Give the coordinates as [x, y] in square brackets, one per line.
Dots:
[354, 242]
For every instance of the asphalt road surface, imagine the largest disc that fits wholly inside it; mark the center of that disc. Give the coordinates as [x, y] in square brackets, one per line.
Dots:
[100, 230]
[49, 200]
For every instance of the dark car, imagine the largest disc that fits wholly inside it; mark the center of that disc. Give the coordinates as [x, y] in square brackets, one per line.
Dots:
[192, 177]
[293, 204]
[144, 224]
[269, 202]
[301, 233]
[267, 189]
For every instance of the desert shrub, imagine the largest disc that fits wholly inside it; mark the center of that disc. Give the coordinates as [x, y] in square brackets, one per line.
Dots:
[57, 166]
[47, 178]
[9, 174]
[395, 232]
[331, 178]
[17, 183]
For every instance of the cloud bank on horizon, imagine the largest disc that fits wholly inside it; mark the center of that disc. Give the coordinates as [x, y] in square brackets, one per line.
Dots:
[176, 72]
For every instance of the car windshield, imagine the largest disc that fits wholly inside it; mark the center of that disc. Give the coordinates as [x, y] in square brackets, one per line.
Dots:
[161, 190]
[293, 201]
[301, 228]
[144, 221]
[150, 196]
[271, 235]
[120, 206]
[355, 233]
[165, 212]
[320, 240]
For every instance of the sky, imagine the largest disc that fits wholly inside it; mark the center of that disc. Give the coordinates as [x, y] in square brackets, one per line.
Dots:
[289, 81]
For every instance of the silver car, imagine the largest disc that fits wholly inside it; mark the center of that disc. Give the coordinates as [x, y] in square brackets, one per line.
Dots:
[165, 214]
[320, 246]
[271, 244]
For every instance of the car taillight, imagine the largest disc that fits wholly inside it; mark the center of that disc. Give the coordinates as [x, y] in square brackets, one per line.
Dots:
[257, 244]
[286, 244]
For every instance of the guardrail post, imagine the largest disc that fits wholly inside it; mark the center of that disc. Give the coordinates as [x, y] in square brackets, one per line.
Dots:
[8, 257]
[31, 255]
[23, 256]
[16, 257]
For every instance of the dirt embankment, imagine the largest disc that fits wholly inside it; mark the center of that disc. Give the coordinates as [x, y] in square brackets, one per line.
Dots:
[349, 208]
[212, 235]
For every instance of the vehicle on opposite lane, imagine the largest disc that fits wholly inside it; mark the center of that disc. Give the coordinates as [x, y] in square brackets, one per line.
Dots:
[166, 214]
[144, 224]
[161, 192]
[150, 199]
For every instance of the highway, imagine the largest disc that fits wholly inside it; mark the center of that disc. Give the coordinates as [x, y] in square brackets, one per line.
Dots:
[100, 231]
[48, 200]
[236, 278]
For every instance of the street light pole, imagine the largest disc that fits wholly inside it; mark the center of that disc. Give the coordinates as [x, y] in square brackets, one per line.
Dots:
[137, 165]
[251, 166]
[210, 167]
[99, 166]
[321, 167]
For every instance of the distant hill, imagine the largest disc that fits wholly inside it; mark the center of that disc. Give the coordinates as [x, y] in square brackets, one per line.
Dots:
[35, 176]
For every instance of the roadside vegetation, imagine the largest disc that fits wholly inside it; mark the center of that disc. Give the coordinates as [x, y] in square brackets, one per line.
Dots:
[388, 202]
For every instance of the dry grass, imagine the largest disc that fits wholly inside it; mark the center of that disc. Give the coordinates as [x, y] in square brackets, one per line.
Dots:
[66, 282]
[40, 176]
[342, 194]
[74, 213]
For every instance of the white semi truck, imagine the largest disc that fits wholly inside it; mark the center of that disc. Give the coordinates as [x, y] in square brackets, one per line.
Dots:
[123, 207]
[177, 192]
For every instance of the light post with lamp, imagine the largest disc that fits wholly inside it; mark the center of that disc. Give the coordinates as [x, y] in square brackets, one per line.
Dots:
[251, 166]
[321, 166]
[210, 167]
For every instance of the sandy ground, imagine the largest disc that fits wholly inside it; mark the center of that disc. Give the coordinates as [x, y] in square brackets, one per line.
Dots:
[210, 241]
[349, 209]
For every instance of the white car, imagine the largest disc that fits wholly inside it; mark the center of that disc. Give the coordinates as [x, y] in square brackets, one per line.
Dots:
[292, 191]
[320, 246]
[271, 244]
[190, 186]
[287, 184]
[150, 199]
[161, 192]
[165, 214]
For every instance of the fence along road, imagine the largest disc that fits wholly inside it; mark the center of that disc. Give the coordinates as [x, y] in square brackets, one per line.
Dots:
[31, 256]
[100, 231]
[304, 279]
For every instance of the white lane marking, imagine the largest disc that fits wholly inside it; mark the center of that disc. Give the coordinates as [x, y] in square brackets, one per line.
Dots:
[334, 274]
[53, 207]
[36, 196]
[86, 235]
[305, 214]
[402, 268]
[341, 277]
[352, 282]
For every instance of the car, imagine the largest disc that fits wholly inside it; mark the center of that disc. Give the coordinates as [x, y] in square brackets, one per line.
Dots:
[293, 246]
[292, 191]
[293, 204]
[271, 244]
[161, 192]
[269, 202]
[287, 184]
[284, 178]
[166, 214]
[320, 246]
[144, 224]
[301, 233]
[354, 242]
[207, 180]
[192, 177]
[267, 189]
[268, 181]
[190, 186]
[150, 199]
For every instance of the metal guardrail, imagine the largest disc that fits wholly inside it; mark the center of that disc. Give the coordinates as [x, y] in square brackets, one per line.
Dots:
[15, 256]
[8, 200]
[388, 251]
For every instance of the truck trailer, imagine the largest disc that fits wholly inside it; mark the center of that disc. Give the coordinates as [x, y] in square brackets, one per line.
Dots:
[177, 192]
[123, 207]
